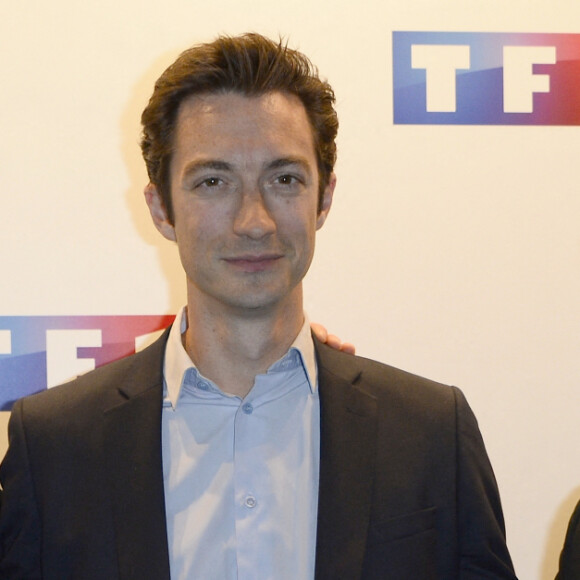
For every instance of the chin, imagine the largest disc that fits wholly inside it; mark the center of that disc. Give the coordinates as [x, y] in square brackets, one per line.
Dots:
[257, 303]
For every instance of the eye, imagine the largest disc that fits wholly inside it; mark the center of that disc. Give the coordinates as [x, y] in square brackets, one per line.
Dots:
[210, 182]
[286, 184]
[288, 180]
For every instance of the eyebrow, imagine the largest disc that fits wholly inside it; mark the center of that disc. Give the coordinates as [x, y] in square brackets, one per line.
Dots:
[286, 161]
[219, 165]
[211, 164]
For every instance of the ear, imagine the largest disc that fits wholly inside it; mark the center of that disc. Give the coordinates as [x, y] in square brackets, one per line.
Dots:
[159, 212]
[326, 201]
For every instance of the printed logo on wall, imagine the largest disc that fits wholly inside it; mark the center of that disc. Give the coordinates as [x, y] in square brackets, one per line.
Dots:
[459, 78]
[39, 352]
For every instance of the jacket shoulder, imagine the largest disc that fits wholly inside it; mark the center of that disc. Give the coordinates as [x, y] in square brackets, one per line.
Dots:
[101, 388]
[379, 379]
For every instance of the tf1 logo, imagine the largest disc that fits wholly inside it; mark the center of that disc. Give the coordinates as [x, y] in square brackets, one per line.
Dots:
[486, 78]
[39, 352]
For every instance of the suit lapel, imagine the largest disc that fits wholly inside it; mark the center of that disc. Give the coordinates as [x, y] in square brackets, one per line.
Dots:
[348, 434]
[132, 430]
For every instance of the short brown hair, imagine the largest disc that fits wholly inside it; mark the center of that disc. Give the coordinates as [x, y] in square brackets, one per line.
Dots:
[252, 65]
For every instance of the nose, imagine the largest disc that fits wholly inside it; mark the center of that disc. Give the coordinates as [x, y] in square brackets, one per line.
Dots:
[252, 218]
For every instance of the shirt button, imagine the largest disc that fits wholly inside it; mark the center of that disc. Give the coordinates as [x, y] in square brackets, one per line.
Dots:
[247, 408]
[250, 502]
[203, 386]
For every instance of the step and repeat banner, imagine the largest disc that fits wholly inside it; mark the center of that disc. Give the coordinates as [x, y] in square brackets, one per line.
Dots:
[452, 249]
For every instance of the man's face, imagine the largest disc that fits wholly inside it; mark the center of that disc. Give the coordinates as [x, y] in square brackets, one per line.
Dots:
[244, 187]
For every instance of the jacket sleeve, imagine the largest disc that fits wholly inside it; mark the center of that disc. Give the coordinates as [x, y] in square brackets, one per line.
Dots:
[20, 523]
[570, 556]
[482, 543]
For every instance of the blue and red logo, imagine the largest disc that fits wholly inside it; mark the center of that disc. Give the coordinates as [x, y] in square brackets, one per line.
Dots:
[39, 352]
[462, 78]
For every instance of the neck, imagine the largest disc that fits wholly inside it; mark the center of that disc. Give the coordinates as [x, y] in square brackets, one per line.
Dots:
[231, 347]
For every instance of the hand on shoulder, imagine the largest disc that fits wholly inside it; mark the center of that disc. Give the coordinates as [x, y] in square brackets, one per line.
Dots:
[331, 339]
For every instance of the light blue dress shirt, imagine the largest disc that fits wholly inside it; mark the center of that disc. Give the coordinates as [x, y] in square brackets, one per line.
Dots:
[241, 476]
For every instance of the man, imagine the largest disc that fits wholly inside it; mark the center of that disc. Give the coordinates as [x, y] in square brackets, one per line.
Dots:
[237, 447]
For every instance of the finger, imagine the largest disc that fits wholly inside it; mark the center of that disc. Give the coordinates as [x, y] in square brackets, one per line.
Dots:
[333, 341]
[348, 347]
[320, 331]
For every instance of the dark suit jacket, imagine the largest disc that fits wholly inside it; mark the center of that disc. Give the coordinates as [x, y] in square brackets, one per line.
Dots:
[406, 488]
[570, 556]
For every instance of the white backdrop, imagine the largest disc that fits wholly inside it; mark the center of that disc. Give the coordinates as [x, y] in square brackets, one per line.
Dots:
[451, 251]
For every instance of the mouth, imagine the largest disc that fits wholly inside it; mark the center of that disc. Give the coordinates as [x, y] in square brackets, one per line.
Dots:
[254, 263]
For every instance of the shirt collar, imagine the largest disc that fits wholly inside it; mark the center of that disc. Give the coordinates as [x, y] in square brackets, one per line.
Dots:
[177, 362]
